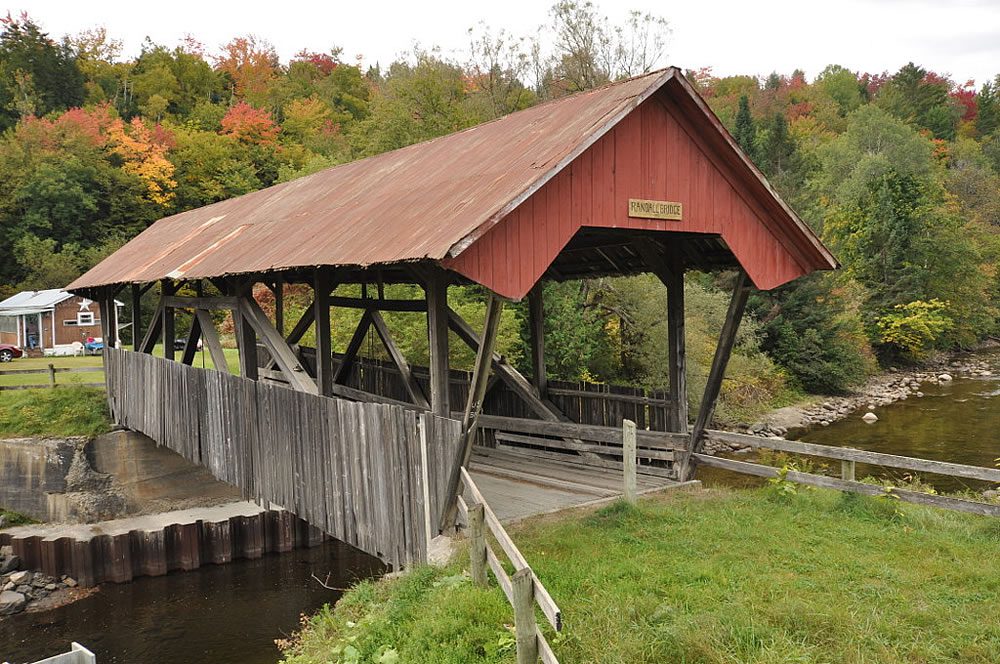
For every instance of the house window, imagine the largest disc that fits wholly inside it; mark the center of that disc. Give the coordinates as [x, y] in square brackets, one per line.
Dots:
[85, 318]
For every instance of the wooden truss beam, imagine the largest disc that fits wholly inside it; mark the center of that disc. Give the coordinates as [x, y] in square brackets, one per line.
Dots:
[210, 336]
[536, 320]
[191, 344]
[167, 289]
[379, 304]
[344, 370]
[412, 387]
[473, 406]
[322, 286]
[153, 331]
[283, 354]
[435, 283]
[727, 339]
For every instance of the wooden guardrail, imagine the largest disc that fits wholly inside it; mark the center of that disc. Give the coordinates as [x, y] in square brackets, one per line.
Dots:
[848, 457]
[523, 589]
[51, 372]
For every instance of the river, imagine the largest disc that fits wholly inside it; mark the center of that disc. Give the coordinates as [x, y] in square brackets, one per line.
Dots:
[957, 421]
[219, 614]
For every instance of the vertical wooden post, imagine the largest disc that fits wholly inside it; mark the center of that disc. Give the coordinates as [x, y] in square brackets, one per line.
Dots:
[166, 290]
[136, 317]
[52, 375]
[437, 337]
[727, 339]
[525, 627]
[629, 461]
[536, 325]
[847, 470]
[279, 307]
[477, 544]
[322, 285]
[246, 337]
[676, 350]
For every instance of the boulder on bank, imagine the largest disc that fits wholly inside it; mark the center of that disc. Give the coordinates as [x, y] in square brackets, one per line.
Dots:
[870, 417]
[11, 602]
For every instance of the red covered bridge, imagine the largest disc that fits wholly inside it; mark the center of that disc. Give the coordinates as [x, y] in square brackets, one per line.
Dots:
[638, 176]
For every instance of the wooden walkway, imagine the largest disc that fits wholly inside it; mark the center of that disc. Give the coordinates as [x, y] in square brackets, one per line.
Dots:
[518, 485]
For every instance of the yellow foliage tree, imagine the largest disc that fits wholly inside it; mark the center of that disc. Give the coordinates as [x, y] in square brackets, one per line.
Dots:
[144, 156]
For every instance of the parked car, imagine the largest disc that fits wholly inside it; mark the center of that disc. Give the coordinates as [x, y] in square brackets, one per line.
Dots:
[180, 343]
[9, 352]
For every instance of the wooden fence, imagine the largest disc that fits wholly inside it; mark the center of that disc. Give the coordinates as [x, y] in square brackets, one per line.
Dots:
[523, 589]
[372, 475]
[51, 371]
[848, 457]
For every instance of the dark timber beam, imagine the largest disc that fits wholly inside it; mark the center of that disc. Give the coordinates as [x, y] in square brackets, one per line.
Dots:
[153, 331]
[344, 370]
[536, 325]
[412, 387]
[727, 339]
[322, 286]
[191, 344]
[436, 289]
[167, 312]
[246, 336]
[671, 273]
[474, 404]
[283, 354]
[211, 338]
[278, 288]
[379, 304]
[136, 317]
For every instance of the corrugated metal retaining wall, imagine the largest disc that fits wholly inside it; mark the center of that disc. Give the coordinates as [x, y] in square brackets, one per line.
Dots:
[372, 475]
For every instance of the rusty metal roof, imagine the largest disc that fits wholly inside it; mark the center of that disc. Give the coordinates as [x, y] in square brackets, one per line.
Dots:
[425, 201]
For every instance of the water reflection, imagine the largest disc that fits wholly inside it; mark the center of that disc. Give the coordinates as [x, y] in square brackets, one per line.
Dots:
[218, 614]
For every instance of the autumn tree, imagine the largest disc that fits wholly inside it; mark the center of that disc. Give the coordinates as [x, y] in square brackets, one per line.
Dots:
[250, 65]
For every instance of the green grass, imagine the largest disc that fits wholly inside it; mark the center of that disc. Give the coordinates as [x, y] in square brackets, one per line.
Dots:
[712, 576]
[62, 378]
[15, 518]
[67, 411]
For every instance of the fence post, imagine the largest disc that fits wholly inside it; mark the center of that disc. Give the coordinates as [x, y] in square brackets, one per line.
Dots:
[847, 470]
[629, 461]
[525, 627]
[52, 375]
[477, 544]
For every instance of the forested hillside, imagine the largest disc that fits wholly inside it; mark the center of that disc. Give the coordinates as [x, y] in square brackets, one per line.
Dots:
[898, 172]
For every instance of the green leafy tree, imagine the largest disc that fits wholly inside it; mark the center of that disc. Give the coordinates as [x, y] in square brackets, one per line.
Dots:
[744, 130]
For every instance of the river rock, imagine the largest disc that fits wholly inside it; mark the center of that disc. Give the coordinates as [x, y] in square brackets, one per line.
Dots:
[19, 578]
[944, 377]
[70, 582]
[870, 417]
[11, 602]
[9, 564]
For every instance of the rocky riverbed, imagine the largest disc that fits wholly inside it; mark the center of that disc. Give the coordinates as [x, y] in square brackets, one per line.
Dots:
[23, 590]
[882, 390]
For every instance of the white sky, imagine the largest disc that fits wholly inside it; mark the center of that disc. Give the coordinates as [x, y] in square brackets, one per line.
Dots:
[956, 37]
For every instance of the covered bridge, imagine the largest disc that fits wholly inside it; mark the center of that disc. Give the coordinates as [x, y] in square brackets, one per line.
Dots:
[637, 176]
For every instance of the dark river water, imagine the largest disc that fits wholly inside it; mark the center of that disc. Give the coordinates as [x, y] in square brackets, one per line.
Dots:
[957, 421]
[217, 614]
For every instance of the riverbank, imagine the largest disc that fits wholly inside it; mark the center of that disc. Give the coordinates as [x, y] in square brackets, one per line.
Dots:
[883, 389]
[718, 575]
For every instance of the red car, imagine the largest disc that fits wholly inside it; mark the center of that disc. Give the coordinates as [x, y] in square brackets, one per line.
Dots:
[9, 351]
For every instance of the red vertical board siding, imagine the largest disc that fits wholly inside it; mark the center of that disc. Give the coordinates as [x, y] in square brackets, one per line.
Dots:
[649, 155]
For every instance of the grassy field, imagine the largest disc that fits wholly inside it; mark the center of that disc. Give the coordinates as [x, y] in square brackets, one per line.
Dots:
[709, 576]
[202, 359]
[67, 411]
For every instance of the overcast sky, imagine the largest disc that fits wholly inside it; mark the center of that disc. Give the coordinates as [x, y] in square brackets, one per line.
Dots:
[956, 37]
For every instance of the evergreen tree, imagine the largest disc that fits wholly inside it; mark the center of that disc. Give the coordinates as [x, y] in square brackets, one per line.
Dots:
[745, 133]
[36, 75]
[988, 103]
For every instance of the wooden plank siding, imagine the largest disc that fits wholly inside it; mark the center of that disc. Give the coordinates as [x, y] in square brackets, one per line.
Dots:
[355, 470]
[594, 190]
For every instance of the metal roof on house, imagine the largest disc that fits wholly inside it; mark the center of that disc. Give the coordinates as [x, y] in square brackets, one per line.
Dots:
[33, 302]
[431, 200]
